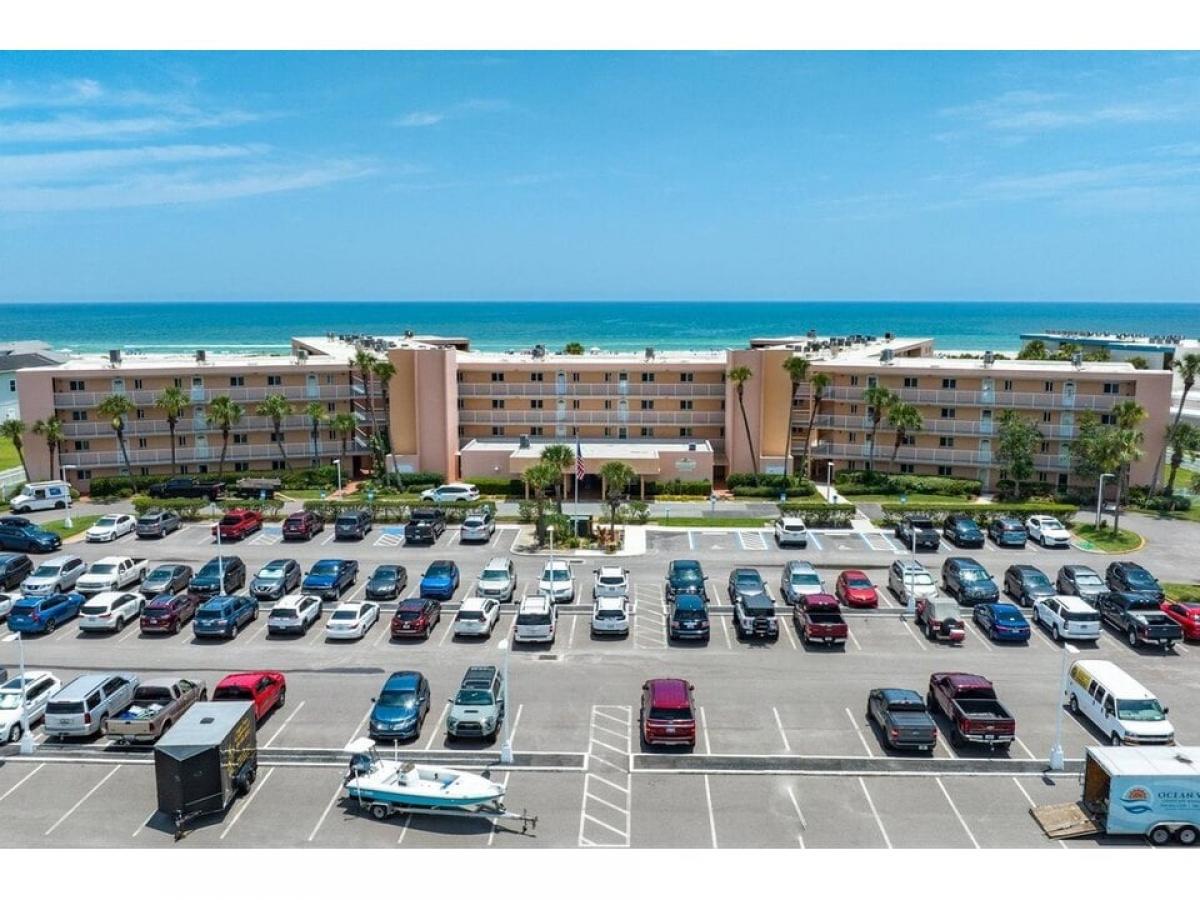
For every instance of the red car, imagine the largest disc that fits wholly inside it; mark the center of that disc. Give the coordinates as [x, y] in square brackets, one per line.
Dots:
[416, 617]
[300, 526]
[237, 523]
[854, 588]
[266, 690]
[1187, 615]
[668, 714]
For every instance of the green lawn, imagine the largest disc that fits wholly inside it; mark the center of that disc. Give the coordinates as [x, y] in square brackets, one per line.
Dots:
[8, 455]
[913, 499]
[714, 522]
[78, 524]
[1178, 591]
[302, 494]
[1106, 541]
[1191, 515]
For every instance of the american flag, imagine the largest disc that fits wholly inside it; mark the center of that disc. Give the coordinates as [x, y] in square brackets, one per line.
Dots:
[578, 459]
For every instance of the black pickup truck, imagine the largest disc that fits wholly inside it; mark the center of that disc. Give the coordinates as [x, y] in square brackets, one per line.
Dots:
[175, 488]
[1139, 617]
[927, 537]
[424, 526]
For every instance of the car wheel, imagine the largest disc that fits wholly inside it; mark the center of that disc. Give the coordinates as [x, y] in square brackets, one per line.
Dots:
[282, 698]
[1073, 705]
[51, 624]
[1132, 638]
[103, 730]
[1114, 739]
[1054, 634]
[176, 627]
[14, 733]
[233, 630]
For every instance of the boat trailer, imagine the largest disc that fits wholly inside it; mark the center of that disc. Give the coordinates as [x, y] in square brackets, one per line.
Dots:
[494, 811]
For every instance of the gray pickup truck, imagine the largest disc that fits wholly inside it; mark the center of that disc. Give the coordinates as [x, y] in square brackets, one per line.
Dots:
[157, 705]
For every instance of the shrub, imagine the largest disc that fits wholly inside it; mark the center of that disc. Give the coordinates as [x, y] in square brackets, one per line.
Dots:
[983, 513]
[526, 510]
[852, 483]
[298, 479]
[509, 487]
[678, 488]
[271, 509]
[795, 485]
[1172, 503]
[389, 509]
[635, 511]
[410, 479]
[818, 514]
[189, 508]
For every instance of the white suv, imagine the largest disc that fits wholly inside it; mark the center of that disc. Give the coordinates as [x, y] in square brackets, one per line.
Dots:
[556, 582]
[537, 620]
[1047, 531]
[294, 613]
[497, 580]
[449, 493]
[610, 615]
[476, 617]
[110, 611]
[611, 581]
[790, 530]
[908, 575]
[1067, 618]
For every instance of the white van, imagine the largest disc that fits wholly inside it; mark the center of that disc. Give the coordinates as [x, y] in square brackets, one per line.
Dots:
[41, 495]
[537, 619]
[1121, 708]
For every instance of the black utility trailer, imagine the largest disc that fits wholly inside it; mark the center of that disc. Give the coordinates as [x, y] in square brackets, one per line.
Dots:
[256, 488]
[205, 761]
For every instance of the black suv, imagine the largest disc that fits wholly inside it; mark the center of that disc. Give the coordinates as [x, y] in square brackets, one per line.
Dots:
[1129, 576]
[14, 568]
[968, 582]
[917, 532]
[689, 619]
[352, 525]
[208, 582]
[684, 576]
[962, 531]
[1026, 584]
[424, 526]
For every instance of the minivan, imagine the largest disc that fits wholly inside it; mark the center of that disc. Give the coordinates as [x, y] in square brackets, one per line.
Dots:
[42, 495]
[84, 706]
[537, 618]
[1120, 707]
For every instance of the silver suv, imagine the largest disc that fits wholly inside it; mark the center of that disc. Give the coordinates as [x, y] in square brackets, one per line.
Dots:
[84, 706]
[498, 580]
[477, 710]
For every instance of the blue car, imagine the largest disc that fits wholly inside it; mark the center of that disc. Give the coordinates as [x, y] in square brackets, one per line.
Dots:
[41, 615]
[328, 578]
[24, 536]
[440, 580]
[401, 707]
[1001, 621]
[1008, 531]
[223, 616]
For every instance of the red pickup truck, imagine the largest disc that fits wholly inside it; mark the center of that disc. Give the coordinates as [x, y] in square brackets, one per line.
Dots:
[266, 690]
[238, 523]
[819, 619]
[969, 702]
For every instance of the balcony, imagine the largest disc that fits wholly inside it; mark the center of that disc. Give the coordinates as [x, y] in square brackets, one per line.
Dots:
[585, 417]
[198, 396]
[929, 455]
[189, 425]
[582, 389]
[1006, 399]
[298, 452]
[931, 426]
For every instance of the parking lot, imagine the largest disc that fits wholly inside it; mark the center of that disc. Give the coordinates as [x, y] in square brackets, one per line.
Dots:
[785, 756]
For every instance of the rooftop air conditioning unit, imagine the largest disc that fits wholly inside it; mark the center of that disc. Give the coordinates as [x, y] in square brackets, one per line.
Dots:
[114, 357]
[201, 356]
[1077, 359]
[692, 447]
[887, 356]
[988, 357]
[649, 353]
[539, 351]
[524, 443]
[301, 356]
[887, 336]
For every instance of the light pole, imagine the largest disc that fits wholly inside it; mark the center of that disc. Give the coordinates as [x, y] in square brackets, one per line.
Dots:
[829, 481]
[1056, 751]
[553, 587]
[338, 463]
[26, 735]
[67, 523]
[1100, 496]
[506, 750]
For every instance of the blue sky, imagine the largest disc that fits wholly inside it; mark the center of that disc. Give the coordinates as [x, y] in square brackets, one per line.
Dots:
[624, 176]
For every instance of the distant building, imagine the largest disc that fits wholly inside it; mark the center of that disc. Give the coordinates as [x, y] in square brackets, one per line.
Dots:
[21, 355]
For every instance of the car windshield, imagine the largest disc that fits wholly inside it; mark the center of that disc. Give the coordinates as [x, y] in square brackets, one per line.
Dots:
[685, 572]
[1088, 579]
[1012, 526]
[1140, 711]
[343, 615]
[230, 520]
[272, 570]
[689, 615]
[384, 575]
[324, 568]
[674, 715]
[10, 699]
[906, 706]
[973, 575]
[811, 578]
[610, 614]
[437, 572]
[283, 613]
[612, 579]
[1048, 524]
[473, 698]
[163, 602]
[747, 579]
[398, 699]
[45, 571]
[534, 619]
[1036, 580]
[106, 521]
[474, 521]
[160, 574]
[494, 575]
[102, 569]
[211, 569]
[348, 521]
[556, 575]
[1081, 617]
[1140, 578]
[409, 615]
[858, 582]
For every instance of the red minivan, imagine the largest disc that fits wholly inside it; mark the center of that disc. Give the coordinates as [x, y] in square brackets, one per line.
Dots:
[668, 715]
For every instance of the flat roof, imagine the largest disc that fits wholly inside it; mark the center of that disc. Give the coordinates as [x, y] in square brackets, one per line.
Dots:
[941, 363]
[148, 362]
[630, 449]
[1149, 760]
[1112, 341]
[594, 357]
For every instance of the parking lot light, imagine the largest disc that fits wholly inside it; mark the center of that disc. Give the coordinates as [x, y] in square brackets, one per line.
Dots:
[506, 750]
[62, 473]
[338, 464]
[1100, 496]
[26, 735]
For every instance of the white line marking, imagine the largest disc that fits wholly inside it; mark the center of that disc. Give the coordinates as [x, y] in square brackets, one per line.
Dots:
[858, 731]
[447, 630]
[246, 803]
[1021, 743]
[337, 793]
[704, 729]
[799, 815]
[787, 747]
[957, 814]
[605, 781]
[38, 768]
[878, 821]
[812, 537]
[912, 634]
[404, 829]
[725, 628]
[67, 814]
[437, 726]
[285, 724]
[853, 639]
[712, 820]
[603, 802]
[571, 636]
[983, 637]
[496, 822]
[624, 722]
[606, 825]
[512, 734]
[143, 825]
[596, 740]
[617, 734]
[593, 758]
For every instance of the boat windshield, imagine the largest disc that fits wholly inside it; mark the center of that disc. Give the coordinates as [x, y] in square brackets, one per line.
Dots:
[1140, 711]
[473, 698]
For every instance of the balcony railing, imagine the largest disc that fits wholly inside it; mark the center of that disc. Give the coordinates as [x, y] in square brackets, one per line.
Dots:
[585, 417]
[186, 425]
[295, 451]
[1013, 399]
[199, 396]
[932, 426]
[589, 389]
[908, 454]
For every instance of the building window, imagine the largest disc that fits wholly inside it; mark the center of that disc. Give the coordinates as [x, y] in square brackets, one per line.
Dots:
[685, 404]
[948, 412]
[139, 414]
[853, 409]
[183, 440]
[1108, 419]
[721, 431]
[241, 467]
[872, 381]
[183, 470]
[949, 384]
[687, 376]
[178, 382]
[647, 432]
[536, 404]
[1006, 385]
[277, 464]
[497, 403]
[241, 438]
[331, 407]
[79, 415]
[608, 377]
[145, 470]
[497, 431]
[1112, 387]
[333, 435]
[237, 381]
[537, 376]
[1048, 387]
[1045, 446]
[83, 474]
[537, 431]
[274, 380]
[329, 379]
[77, 386]
[12, 385]
[142, 444]
[945, 441]
[906, 468]
[946, 471]
[853, 381]
[574, 404]
[497, 376]
[647, 377]
[622, 434]
[851, 437]
[462, 404]
[608, 404]
[685, 431]
[1041, 476]
[911, 381]
[202, 469]
[623, 376]
[137, 384]
[574, 376]
[1046, 416]
[82, 445]
[647, 404]
[1063, 480]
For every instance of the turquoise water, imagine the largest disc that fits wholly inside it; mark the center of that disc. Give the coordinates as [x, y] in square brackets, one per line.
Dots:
[267, 326]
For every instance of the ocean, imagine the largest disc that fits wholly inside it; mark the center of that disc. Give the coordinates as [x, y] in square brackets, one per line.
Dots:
[266, 326]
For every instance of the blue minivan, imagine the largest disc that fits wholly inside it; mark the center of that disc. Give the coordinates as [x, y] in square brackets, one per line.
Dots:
[401, 707]
[41, 615]
[224, 615]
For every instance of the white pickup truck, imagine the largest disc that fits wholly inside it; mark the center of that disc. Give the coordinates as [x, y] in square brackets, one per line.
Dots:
[113, 573]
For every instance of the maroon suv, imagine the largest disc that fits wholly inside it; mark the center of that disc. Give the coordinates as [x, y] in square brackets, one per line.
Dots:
[301, 526]
[668, 715]
[168, 613]
[416, 617]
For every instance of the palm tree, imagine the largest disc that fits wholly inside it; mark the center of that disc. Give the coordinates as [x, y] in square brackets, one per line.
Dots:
[276, 408]
[878, 399]
[616, 476]
[51, 430]
[1185, 441]
[365, 362]
[174, 403]
[1128, 416]
[13, 429]
[224, 415]
[1035, 349]
[117, 407]
[562, 458]
[343, 425]
[739, 377]
[537, 478]
[797, 369]
[817, 383]
[316, 415]
[906, 419]
[1189, 370]
[573, 348]
[383, 370]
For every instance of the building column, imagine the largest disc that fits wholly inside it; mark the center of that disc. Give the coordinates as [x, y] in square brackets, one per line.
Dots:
[526, 483]
[603, 488]
[642, 487]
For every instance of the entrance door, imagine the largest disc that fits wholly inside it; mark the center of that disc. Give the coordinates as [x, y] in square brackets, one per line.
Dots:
[1066, 424]
[560, 382]
[197, 389]
[201, 446]
[988, 390]
[1068, 393]
[985, 422]
[312, 388]
[985, 450]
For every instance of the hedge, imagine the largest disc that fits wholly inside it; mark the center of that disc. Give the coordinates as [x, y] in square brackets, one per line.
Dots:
[271, 509]
[852, 483]
[804, 490]
[189, 508]
[818, 514]
[749, 479]
[983, 513]
[508, 487]
[677, 488]
[390, 510]
[409, 479]
[297, 479]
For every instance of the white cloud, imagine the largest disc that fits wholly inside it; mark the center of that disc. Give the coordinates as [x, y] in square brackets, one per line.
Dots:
[74, 129]
[70, 164]
[420, 119]
[1035, 111]
[425, 118]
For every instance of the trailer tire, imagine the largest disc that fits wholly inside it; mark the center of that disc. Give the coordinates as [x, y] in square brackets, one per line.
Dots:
[1073, 705]
[1159, 835]
[1187, 835]
[379, 811]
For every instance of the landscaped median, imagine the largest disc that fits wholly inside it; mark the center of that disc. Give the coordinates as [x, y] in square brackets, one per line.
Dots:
[815, 513]
[982, 513]
[1184, 593]
[79, 524]
[392, 509]
[192, 508]
[1105, 540]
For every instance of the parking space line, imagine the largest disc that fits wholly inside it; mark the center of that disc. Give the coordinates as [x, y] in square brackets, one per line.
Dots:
[138, 830]
[330, 537]
[604, 802]
[858, 731]
[598, 712]
[384, 634]
[67, 814]
[328, 806]
[437, 726]
[496, 822]
[1021, 744]
[447, 630]
[878, 821]
[887, 540]
[712, 819]
[571, 636]
[983, 637]
[725, 628]
[912, 634]
[246, 803]
[404, 829]
[1029, 800]
[611, 784]
[37, 769]
[787, 747]
[512, 734]
[957, 814]
[816, 541]
[596, 821]
[285, 724]
[136, 629]
[607, 746]
[853, 639]
[704, 729]
[799, 815]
